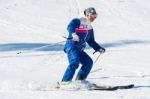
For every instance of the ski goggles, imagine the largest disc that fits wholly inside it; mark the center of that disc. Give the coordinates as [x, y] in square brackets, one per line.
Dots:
[94, 15]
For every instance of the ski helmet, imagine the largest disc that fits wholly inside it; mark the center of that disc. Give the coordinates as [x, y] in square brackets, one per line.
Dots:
[90, 10]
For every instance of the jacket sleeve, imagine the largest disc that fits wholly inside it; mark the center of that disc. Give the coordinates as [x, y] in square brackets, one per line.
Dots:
[91, 42]
[75, 23]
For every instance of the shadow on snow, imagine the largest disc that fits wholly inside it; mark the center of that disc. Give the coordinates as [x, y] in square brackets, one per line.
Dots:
[59, 47]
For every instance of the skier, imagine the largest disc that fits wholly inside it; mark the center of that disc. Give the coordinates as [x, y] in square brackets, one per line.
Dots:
[80, 32]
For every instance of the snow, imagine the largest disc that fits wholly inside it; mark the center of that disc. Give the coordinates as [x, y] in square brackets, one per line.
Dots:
[31, 48]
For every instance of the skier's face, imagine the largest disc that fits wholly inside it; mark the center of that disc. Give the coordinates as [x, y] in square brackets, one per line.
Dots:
[92, 17]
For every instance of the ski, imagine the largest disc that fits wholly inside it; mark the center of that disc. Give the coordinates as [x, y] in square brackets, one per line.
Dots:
[111, 88]
[103, 88]
[126, 86]
[91, 86]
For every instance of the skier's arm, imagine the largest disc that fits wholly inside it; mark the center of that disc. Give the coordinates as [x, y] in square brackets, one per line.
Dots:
[94, 44]
[75, 23]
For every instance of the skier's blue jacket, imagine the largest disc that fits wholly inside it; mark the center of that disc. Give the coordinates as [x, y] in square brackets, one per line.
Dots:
[83, 28]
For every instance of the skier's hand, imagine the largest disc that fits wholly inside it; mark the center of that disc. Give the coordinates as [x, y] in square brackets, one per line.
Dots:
[75, 37]
[101, 50]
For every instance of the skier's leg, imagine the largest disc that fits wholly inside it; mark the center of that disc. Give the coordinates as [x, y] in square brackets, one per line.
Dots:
[87, 64]
[73, 58]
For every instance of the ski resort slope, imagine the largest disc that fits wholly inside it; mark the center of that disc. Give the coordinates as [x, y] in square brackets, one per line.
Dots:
[31, 48]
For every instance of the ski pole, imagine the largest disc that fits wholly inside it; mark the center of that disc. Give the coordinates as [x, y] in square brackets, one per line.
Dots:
[97, 58]
[98, 69]
[37, 48]
[95, 62]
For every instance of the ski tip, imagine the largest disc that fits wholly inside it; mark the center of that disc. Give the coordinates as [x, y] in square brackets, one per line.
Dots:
[126, 86]
[131, 86]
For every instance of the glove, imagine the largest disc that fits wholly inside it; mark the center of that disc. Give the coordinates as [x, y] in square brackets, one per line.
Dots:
[75, 37]
[101, 50]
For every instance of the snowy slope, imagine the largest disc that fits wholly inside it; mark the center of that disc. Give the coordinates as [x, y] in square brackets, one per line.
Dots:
[35, 28]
